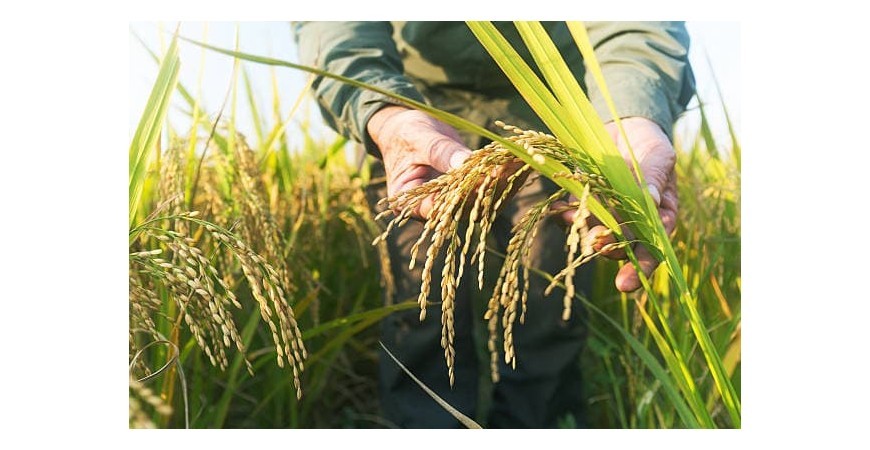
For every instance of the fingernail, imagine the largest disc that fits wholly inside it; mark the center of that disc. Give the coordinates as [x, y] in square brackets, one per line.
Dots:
[654, 192]
[457, 158]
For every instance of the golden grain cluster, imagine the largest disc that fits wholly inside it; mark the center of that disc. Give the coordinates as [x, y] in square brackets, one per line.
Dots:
[472, 196]
[202, 284]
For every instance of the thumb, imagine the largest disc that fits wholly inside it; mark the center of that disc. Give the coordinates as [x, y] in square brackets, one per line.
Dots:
[445, 153]
[657, 168]
[654, 193]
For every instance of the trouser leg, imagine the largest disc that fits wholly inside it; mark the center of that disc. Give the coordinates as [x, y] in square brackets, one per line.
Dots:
[417, 344]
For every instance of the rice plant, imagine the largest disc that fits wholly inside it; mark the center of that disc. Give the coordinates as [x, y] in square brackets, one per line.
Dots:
[231, 216]
[239, 258]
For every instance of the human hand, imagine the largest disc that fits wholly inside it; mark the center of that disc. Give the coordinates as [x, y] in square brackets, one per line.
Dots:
[656, 158]
[415, 148]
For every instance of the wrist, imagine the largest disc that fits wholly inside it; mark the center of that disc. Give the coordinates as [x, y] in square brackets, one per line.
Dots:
[376, 125]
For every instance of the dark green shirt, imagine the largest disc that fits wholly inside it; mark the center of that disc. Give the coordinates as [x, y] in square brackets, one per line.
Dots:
[645, 65]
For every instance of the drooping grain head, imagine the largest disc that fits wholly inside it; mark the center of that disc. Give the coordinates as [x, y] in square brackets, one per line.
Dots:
[472, 196]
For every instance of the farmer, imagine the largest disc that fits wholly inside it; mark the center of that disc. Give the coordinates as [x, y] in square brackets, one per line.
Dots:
[441, 63]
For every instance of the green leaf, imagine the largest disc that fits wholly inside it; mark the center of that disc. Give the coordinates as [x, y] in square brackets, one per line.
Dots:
[252, 106]
[462, 418]
[151, 123]
[376, 314]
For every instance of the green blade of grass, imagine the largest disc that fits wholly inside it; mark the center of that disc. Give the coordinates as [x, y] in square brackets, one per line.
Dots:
[653, 365]
[235, 372]
[252, 106]
[680, 371]
[278, 131]
[533, 90]
[462, 418]
[706, 133]
[377, 314]
[185, 94]
[735, 143]
[151, 123]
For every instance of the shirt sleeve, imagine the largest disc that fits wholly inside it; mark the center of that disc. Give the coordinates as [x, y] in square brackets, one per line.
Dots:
[364, 51]
[646, 68]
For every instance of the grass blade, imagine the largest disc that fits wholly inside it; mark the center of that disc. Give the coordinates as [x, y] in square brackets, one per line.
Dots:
[735, 143]
[706, 133]
[462, 418]
[151, 123]
[252, 106]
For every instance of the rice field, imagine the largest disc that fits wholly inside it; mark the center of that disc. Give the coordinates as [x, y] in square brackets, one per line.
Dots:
[257, 268]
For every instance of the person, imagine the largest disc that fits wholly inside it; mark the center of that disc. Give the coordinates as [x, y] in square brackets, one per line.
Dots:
[648, 73]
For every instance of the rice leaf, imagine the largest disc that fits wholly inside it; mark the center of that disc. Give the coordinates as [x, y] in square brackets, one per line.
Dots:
[462, 418]
[706, 133]
[151, 123]
[252, 106]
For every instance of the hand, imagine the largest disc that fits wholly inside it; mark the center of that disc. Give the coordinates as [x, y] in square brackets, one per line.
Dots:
[656, 158]
[415, 148]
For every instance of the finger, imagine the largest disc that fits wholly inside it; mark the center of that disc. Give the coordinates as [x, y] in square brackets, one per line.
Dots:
[627, 279]
[599, 235]
[425, 208]
[657, 172]
[656, 159]
[669, 220]
[670, 206]
[412, 179]
[566, 209]
[602, 239]
[654, 193]
[504, 172]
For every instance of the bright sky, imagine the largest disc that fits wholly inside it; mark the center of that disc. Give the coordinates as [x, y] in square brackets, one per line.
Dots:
[718, 40]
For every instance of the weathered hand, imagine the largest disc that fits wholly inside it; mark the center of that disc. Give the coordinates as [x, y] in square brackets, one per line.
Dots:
[656, 158]
[415, 148]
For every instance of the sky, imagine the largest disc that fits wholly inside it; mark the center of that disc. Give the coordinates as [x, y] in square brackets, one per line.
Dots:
[717, 41]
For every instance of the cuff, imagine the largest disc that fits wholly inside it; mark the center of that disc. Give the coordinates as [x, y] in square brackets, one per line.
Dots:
[370, 102]
[635, 97]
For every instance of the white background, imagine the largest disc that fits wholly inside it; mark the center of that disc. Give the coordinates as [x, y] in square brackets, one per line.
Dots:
[64, 94]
